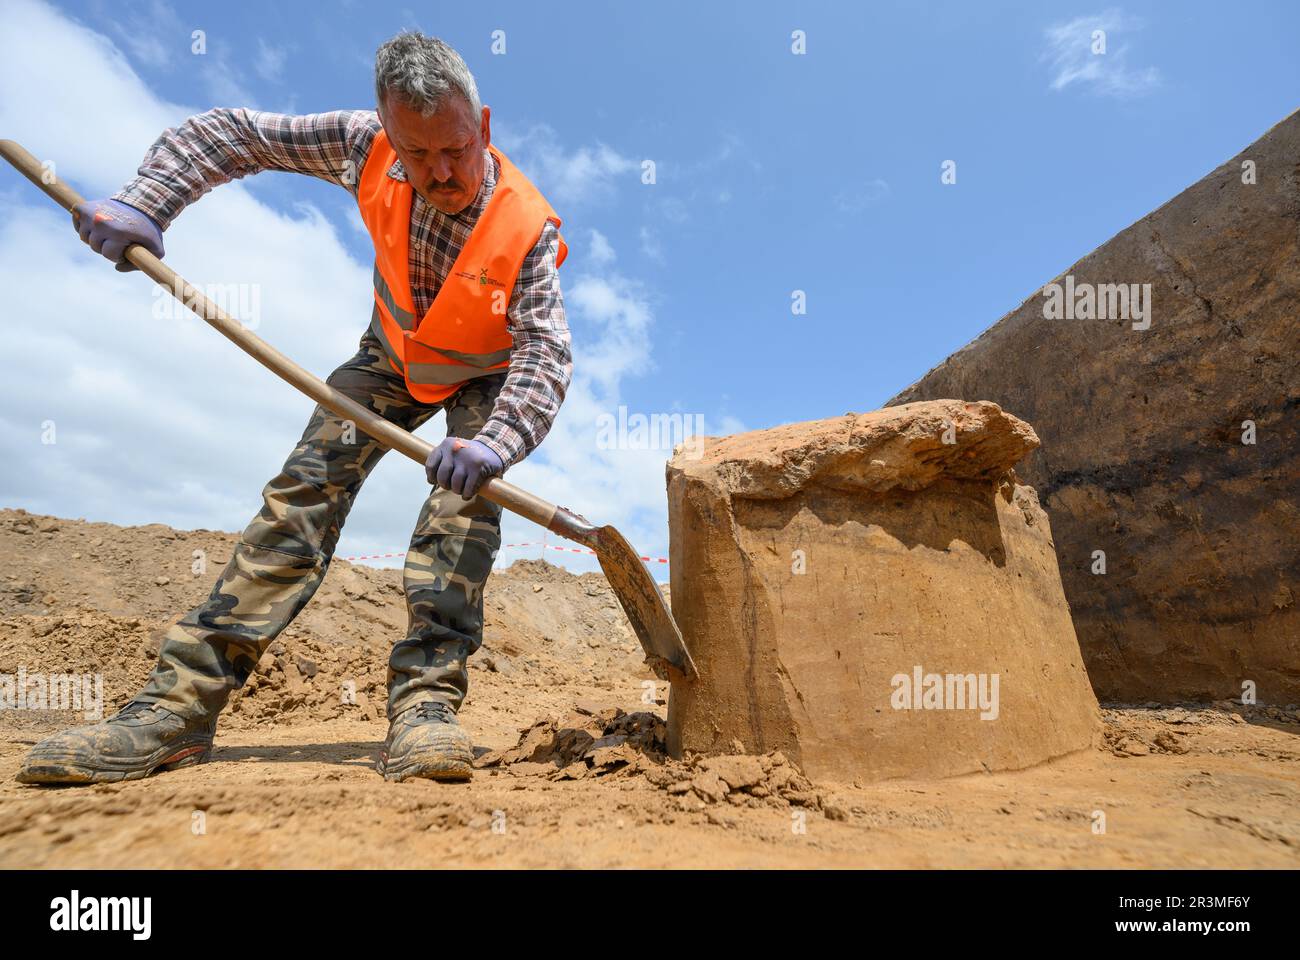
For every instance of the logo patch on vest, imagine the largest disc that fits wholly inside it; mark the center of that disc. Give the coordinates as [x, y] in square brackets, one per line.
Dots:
[483, 279]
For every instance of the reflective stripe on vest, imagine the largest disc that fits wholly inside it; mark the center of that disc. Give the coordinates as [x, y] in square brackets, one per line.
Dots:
[464, 334]
[436, 373]
[404, 318]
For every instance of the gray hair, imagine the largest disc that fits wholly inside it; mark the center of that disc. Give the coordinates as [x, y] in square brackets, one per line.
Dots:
[421, 71]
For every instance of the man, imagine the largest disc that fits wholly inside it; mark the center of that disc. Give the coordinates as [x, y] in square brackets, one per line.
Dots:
[468, 318]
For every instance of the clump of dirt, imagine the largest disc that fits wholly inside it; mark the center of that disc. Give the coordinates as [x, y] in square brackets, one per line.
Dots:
[740, 779]
[589, 741]
[593, 741]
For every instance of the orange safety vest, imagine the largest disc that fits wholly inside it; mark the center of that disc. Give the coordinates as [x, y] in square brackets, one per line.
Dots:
[464, 334]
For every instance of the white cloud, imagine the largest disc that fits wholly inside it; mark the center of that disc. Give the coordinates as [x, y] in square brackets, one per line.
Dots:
[270, 60]
[1074, 52]
[859, 197]
[673, 209]
[223, 80]
[155, 420]
[586, 175]
[601, 253]
[39, 80]
[619, 309]
[706, 167]
[153, 34]
[651, 248]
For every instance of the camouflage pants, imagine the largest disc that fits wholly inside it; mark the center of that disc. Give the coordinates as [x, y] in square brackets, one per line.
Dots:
[282, 556]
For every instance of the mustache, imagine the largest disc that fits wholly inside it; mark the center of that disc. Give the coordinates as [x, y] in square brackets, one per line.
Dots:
[449, 185]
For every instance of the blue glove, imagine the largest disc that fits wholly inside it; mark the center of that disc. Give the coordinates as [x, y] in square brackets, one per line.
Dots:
[110, 226]
[462, 466]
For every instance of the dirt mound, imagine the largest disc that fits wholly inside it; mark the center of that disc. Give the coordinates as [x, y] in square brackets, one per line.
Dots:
[539, 571]
[94, 598]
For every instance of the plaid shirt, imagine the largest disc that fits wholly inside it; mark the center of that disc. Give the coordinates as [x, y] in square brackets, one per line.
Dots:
[221, 145]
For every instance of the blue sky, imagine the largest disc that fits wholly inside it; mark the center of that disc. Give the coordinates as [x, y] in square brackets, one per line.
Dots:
[776, 172]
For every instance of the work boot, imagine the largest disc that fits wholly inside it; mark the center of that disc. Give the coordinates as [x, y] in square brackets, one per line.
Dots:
[138, 740]
[426, 741]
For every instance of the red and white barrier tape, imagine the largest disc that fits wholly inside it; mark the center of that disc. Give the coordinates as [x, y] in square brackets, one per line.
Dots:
[535, 543]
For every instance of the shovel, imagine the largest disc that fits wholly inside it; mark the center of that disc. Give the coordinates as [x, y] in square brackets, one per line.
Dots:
[644, 605]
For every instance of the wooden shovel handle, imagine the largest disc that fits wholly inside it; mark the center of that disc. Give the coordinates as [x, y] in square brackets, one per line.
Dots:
[512, 498]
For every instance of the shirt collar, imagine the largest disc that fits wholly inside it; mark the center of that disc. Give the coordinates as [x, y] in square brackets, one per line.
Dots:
[490, 172]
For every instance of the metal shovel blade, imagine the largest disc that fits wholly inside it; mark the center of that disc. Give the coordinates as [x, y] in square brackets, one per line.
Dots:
[644, 605]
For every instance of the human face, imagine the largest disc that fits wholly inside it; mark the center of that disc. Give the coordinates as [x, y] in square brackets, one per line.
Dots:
[441, 153]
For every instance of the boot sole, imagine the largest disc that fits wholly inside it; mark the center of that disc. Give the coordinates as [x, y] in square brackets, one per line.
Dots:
[442, 769]
[51, 771]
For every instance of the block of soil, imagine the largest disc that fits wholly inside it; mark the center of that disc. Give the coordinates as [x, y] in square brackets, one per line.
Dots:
[875, 596]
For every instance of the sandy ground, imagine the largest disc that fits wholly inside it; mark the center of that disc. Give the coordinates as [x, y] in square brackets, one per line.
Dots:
[292, 784]
[309, 797]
